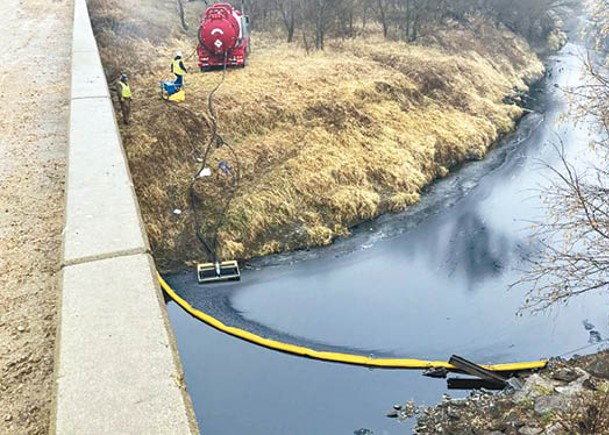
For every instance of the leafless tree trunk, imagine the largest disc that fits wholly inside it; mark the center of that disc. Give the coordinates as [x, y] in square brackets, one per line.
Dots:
[383, 17]
[288, 14]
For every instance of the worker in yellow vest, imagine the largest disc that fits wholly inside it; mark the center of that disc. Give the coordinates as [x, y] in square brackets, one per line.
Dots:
[124, 97]
[178, 68]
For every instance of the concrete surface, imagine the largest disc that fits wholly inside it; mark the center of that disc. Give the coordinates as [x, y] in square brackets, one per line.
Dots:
[117, 368]
[102, 217]
[117, 373]
[82, 35]
[88, 79]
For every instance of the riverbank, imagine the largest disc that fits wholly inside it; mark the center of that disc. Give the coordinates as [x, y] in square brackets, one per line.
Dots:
[569, 397]
[325, 140]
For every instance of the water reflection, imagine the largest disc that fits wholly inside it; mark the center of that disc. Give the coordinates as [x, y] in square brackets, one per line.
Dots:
[476, 250]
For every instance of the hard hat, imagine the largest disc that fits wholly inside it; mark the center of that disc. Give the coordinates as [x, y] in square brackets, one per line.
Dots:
[178, 53]
[124, 77]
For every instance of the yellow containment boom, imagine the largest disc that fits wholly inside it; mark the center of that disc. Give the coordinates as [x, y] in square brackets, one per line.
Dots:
[359, 360]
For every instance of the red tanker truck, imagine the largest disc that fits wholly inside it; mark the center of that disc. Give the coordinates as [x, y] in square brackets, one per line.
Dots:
[223, 36]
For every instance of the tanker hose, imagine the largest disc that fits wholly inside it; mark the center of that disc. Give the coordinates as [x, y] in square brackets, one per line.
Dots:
[218, 141]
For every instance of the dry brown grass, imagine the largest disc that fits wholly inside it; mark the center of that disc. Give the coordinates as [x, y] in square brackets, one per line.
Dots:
[325, 140]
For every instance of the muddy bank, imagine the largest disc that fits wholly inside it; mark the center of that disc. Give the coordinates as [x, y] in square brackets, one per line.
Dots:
[569, 397]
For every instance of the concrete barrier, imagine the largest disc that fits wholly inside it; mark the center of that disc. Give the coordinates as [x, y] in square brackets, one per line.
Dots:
[117, 369]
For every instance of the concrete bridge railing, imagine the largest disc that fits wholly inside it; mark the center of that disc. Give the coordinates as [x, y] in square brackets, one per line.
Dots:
[117, 368]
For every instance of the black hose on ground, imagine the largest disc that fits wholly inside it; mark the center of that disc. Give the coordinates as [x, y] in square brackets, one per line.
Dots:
[215, 141]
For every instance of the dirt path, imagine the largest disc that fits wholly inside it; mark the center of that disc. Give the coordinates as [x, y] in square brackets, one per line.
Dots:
[34, 90]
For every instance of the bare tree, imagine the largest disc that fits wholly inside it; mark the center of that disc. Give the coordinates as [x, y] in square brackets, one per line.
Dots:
[575, 236]
[598, 24]
[382, 6]
[288, 10]
[400, 19]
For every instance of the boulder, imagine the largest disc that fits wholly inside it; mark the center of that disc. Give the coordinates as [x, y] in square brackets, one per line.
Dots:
[545, 404]
[566, 375]
[535, 386]
[526, 430]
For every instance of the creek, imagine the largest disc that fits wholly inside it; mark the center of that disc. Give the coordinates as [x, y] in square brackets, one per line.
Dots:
[427, 283]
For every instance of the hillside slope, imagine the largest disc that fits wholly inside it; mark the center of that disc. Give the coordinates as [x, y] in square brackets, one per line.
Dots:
[325, 140]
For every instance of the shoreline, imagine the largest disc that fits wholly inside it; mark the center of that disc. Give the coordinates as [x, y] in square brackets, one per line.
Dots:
[304, 254]
[567, 396]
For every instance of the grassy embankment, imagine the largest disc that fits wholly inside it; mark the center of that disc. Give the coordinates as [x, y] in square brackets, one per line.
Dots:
[325, 140]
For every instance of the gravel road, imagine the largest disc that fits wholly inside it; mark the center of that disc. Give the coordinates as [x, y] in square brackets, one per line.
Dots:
[34, 90]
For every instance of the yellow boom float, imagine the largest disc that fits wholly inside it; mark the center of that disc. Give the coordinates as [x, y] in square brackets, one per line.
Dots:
[359, 360]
